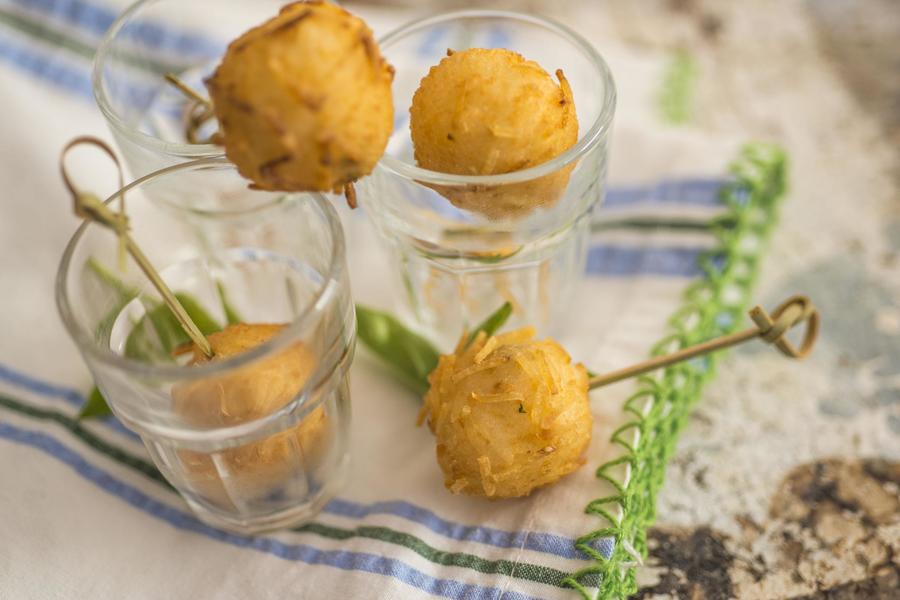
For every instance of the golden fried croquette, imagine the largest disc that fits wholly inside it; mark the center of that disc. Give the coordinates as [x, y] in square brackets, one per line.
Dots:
[304, 100]
[491, 111]
[510, 414]
[245, 394]
[250, 392]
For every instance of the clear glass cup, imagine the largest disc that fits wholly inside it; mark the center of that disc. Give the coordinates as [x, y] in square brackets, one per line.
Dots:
[149, 39]
[252, 441]
[455, 262]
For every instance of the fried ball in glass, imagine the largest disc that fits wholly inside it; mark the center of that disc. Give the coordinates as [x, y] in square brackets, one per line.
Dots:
[491, 111]
[510, 414]
[243, 395]
[304, 100]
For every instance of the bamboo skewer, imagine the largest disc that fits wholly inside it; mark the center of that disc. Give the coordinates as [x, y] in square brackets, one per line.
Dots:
[771, 329]
[194, 118]
[186, 90]
[89, 206]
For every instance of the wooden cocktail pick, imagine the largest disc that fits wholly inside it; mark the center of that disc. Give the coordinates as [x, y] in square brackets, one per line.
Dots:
[89, 206]
[199, 110]
[770, 329]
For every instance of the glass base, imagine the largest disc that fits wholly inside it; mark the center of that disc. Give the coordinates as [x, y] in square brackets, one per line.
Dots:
[283, 519]
[443, 297]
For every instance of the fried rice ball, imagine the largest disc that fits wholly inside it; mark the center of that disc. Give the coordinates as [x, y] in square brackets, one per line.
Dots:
[491, 111]
[241, 396]
[304, 100]
[510, 414]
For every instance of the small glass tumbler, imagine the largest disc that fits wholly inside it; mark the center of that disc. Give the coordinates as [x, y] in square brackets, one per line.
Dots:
[462, 245]
[146, 114]
[252, 440]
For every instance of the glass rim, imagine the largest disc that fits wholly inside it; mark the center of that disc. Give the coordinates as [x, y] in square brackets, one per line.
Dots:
[589, 140]
[593, 136]
[288, 336]
[105, 106]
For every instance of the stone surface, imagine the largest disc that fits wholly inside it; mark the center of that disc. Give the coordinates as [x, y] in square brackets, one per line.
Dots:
[786, 483]
[821, 539]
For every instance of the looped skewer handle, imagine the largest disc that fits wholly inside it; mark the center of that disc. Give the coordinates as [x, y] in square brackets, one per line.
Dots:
[90, 207]
[791, 312]
[96, 210]
[770, 329]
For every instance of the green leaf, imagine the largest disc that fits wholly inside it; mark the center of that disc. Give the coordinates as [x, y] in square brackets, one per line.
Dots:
[411, 356]
[155, 335]
[95, 406]
[125, 292]
[159, 320]
[493, 323]
[123, 295]
[231, 315]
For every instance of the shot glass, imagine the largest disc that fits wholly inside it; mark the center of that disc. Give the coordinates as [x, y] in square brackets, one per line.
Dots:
[254, 440]
[146, 114]
[455, 259]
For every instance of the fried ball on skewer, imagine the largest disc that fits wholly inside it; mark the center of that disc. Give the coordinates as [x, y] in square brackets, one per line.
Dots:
[510, 414]
[304, 100]
[243, 395]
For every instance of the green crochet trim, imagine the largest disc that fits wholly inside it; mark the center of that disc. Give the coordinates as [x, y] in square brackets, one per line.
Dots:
[660, 408]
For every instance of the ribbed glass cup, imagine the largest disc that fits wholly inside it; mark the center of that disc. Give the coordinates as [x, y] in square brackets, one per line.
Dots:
[453, 263]
[149, 39]
[256, 441]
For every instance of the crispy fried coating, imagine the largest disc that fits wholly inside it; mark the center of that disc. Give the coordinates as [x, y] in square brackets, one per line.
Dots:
[304, 100]
[244, 395]
[510, 414]
[248, 393]
[491, 111]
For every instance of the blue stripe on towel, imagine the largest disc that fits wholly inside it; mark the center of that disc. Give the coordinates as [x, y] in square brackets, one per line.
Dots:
[50, 390]
[95, 20]
[539, 542]
[498, 37]
[90, 18]
[696, 191]
[42, 388]
[430, 43]
[71, 79]
[618, 261]
[305, 553]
